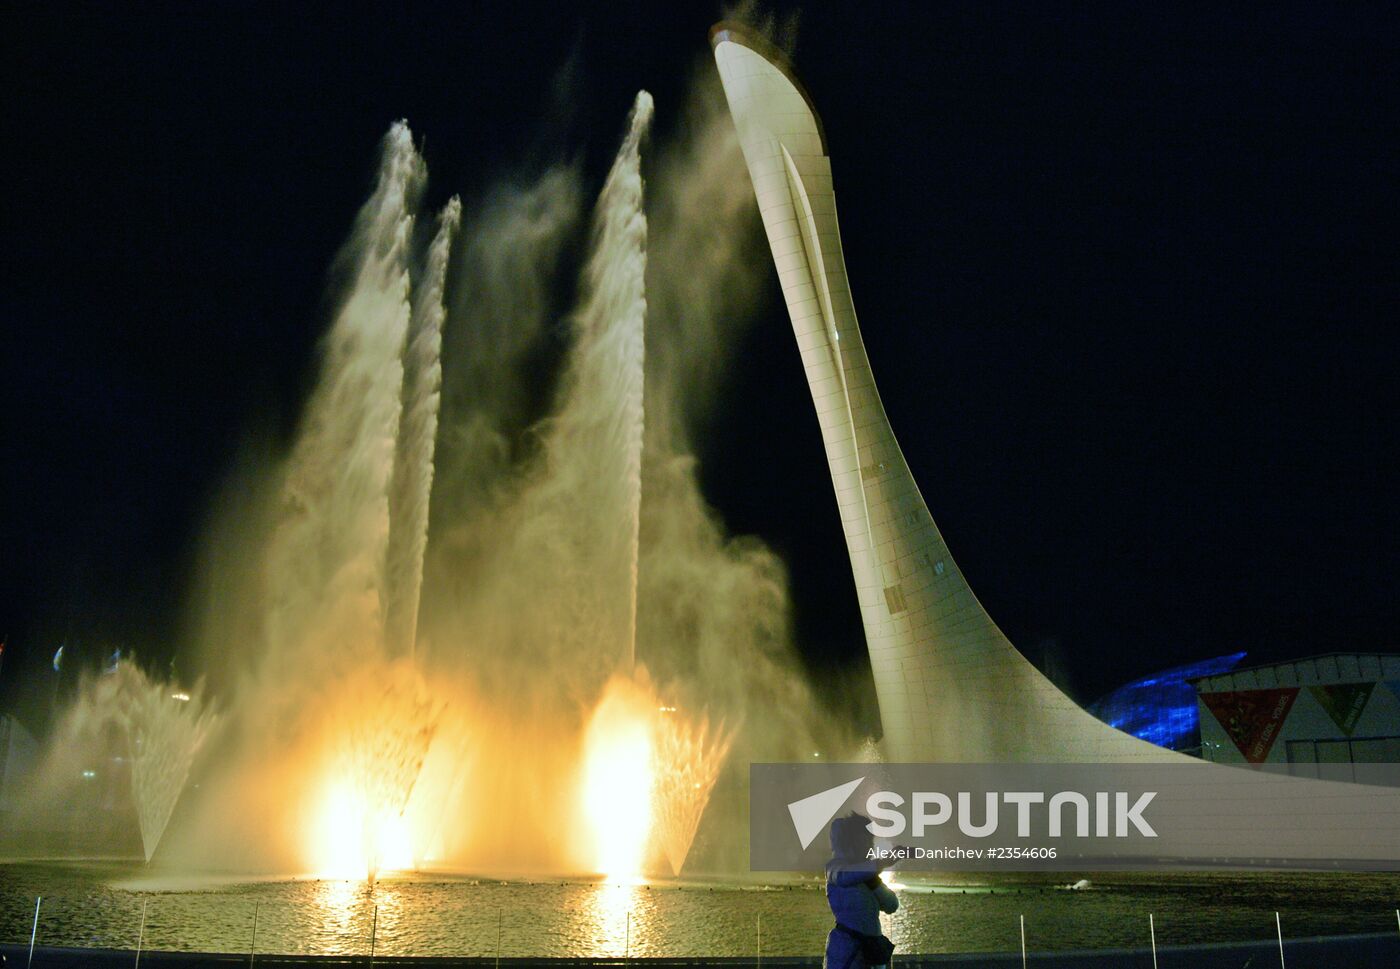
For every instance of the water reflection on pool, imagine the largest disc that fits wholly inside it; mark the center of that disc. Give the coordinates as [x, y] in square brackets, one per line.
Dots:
[100, 905]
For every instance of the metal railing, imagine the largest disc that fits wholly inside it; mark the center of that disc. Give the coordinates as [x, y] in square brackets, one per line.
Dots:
[625, 957]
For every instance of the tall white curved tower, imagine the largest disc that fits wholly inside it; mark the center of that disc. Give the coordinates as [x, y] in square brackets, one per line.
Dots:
[951, 686]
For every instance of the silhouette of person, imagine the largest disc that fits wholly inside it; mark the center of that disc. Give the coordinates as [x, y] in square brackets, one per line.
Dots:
[857, 897]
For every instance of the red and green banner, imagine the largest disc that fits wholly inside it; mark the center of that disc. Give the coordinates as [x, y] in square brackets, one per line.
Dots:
[1252, 718]
[1344, 702]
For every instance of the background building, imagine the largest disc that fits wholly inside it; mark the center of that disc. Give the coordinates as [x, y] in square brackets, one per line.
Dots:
[1162, 708]
[1321, 714]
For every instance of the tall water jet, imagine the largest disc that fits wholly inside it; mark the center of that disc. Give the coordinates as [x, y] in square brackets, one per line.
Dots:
[593, 451]
[344, 563]
[326, 564]
[603, 417]
[413, 466]
[618, 278]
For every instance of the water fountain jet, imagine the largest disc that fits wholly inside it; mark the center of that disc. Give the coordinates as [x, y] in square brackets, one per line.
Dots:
[164, 728]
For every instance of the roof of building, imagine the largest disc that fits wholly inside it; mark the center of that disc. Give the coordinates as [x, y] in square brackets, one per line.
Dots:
[1317, 670]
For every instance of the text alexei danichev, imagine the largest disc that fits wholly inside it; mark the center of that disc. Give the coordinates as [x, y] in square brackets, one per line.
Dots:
[904, 854]
[956, 853]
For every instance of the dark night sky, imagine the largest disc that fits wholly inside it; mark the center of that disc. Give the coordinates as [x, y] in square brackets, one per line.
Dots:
[1127, 275]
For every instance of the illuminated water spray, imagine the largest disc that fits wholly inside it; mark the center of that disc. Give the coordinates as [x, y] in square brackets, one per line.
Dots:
[619, 772]
[386, 726]
[603, 412]
[648, 769]
[326, 565]
[688, 755]
[583, 507]
[413, 467]
[359, 744]
[648, 774]
[163, 727]
[345, 563]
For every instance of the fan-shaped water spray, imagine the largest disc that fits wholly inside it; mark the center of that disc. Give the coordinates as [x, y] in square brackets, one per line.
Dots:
[164, 728]
[689, 755]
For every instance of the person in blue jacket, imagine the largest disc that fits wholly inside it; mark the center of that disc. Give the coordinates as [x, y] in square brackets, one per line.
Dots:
[857, 897]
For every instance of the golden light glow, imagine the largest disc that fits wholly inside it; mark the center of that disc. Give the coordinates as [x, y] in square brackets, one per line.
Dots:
[348, 843]
[618, 780]
[395, 845]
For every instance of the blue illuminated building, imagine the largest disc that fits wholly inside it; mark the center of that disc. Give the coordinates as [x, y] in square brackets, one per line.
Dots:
[1161, 708]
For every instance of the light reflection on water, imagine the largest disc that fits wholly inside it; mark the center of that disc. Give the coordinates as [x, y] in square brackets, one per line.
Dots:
[100, 906]
[341, 904]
